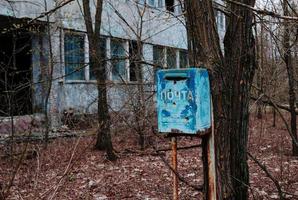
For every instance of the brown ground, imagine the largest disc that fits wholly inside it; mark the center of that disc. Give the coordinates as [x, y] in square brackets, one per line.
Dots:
[71, 169]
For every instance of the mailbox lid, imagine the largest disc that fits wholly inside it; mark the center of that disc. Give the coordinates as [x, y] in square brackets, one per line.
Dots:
[179, 103]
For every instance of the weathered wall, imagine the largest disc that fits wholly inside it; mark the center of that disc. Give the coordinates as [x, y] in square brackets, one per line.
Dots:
[25, 9]
[158, 27]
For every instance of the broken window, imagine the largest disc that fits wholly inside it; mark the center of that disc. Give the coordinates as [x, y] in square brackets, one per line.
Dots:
[170, 5]
[102, 58]
[171, 58]
[74, 56]
[118, 56]
[15, 73]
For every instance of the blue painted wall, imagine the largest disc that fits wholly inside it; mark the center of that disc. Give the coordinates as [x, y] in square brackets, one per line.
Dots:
[183, 100]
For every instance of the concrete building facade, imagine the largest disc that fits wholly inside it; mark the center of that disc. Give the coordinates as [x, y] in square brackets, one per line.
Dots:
[158, 24]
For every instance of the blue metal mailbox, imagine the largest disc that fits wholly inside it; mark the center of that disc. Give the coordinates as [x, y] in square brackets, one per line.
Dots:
[183, 101]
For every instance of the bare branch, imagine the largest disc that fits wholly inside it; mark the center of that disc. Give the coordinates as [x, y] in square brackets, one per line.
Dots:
[264, 11]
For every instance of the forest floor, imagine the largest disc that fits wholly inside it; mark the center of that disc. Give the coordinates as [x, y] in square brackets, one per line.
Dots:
[70, 168]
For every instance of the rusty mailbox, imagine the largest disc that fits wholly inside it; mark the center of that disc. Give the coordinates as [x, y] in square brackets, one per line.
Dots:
[183, 101]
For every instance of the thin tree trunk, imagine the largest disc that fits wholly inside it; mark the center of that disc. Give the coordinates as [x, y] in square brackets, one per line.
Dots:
[104, 140]
[290, 70]
[141, 112]
[260, 69]
[48, 79]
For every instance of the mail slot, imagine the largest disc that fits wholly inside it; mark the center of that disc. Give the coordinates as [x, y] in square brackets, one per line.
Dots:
[183, 101]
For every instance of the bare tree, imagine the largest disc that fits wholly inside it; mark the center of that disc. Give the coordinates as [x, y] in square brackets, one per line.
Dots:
[288, 58]
[232, 74]
[104, 141]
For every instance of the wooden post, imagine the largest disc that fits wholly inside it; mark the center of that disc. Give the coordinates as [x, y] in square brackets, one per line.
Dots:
[174, 166]
[212, 195]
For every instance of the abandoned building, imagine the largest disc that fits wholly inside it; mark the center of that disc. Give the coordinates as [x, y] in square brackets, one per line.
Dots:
[36, 50]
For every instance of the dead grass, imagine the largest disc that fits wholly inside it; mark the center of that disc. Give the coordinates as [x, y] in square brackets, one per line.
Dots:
[142, 175]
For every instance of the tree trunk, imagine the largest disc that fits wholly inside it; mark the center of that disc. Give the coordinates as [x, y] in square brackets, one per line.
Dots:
[231, 78]
[290, 70]
[260, 62]
[141, 112]
[104, 141]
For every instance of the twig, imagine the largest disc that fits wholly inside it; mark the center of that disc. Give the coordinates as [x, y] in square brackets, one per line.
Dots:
[66, 169]
[197, 188]
[263, 12]
[271, 104]
[264, 168]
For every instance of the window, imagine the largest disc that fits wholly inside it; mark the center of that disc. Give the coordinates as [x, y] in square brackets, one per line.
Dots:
[183, 59]
[74, 56]
[102, 58]
[141, 2]
[170, 5]
[118, 55]
[158, 56]
[171, 58]
[133, 51]
[151, 2]
[220, 19]
[180, 7]
[160, 3]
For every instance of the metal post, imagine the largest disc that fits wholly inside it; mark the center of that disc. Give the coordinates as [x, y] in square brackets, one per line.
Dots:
[174, 165]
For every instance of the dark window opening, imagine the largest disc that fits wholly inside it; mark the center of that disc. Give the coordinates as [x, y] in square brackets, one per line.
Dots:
[170, 5]
[133, 60]
[158, 57]
[102, 58]
[183, 59]
[171, 58]
[15, 73]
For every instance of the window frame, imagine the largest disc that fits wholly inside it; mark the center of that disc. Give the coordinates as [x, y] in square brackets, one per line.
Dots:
[125, 60]
[163, 56]
[173, 52]
[169, 8]
[180, 60]
[68, 33]
[132, 44]
[105, 58]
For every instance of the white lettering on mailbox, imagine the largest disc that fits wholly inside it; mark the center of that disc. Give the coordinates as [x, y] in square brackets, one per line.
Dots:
[179, 95]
